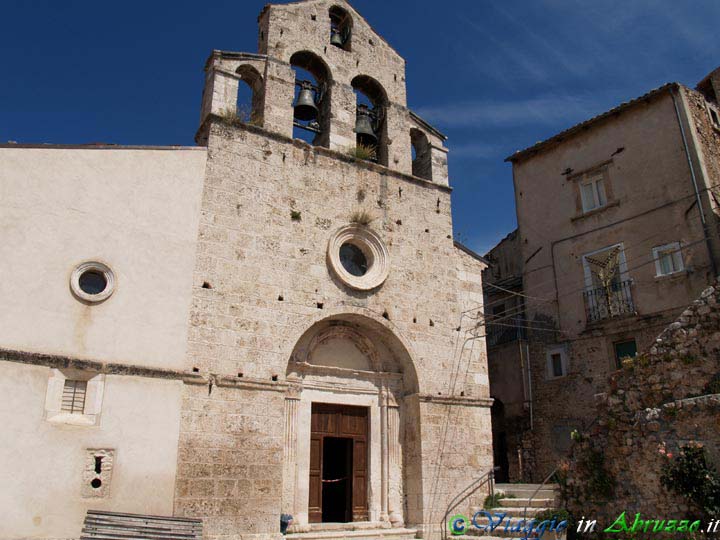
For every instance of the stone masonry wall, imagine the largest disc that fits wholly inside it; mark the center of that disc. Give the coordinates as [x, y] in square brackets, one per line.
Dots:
[665, 396]
[270, 205]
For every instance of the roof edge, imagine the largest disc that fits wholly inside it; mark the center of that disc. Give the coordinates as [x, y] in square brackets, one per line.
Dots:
[427, 125]
[462, 247]
[97, 146]
[558, 137]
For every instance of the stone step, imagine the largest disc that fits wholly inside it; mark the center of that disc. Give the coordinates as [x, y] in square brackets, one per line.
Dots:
[532, 487]
[497, 533]
[516, 511]
[355, 534]
[475, 537]
[527, 493]
[522, 502]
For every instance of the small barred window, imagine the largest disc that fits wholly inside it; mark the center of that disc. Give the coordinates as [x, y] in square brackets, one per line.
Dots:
[73, 397]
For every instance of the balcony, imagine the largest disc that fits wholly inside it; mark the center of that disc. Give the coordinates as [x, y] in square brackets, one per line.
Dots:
[509, 330]
[607, 303]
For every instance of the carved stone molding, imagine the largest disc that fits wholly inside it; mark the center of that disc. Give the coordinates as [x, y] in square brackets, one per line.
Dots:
[372, 247]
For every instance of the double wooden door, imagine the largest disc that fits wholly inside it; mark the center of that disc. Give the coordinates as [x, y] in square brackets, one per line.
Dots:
[338, 463]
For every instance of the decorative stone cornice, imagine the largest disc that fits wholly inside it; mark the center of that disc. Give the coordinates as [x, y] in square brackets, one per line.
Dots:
[461, 401]
[110, 368]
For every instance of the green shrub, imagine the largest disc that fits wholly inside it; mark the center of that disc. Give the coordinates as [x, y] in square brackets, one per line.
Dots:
[691, 475]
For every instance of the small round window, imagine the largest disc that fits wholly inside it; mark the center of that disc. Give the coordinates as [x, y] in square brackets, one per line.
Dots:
[353, 259]
[358, 256]
[92, 282]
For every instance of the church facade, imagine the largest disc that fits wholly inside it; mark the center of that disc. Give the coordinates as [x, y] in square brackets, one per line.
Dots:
[254, 326]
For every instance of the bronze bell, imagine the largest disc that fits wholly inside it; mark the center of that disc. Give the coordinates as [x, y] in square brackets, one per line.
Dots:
[305, 108]
[336, 38]
[364, 127]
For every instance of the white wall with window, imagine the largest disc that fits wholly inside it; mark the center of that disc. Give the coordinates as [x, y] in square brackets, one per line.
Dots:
[74, 397]
[47, 466]
[668, 259]
[557, 362]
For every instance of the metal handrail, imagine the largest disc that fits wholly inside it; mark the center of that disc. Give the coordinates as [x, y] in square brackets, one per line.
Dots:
[476, 484]
[529, 501]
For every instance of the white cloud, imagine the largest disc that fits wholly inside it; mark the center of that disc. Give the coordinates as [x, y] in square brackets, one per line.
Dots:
[548, 110]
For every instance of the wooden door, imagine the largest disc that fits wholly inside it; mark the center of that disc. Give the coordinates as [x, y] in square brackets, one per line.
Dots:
[329, 420]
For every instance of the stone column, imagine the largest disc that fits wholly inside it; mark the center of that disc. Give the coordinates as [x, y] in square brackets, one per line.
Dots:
[292, 403]
[384, 458]
[395, 471]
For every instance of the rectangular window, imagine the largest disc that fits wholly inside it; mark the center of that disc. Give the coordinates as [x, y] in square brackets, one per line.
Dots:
[73, 396]
[557, 366]
[556, 362]
[625, 349]
[714, 116]
[668, 259]
[592, 193]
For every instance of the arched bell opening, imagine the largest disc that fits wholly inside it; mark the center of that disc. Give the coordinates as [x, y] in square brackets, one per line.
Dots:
[370, 119]
[349, 378]
[250, 97]
[311, 104]
[421, 154]
[341, 25]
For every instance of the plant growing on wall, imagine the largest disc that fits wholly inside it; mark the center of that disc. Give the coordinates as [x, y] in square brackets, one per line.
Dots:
[361, 151]
[691, 475]
[599, 483]
[361, 217]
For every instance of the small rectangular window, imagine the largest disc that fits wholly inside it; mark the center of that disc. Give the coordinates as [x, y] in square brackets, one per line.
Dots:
[668, 259]
[714, 116]
[592, 193]
[73, 396]
[625, 349]
[556, 362]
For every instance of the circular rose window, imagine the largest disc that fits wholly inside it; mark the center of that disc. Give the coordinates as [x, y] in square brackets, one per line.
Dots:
[358, 257]
[92, 282]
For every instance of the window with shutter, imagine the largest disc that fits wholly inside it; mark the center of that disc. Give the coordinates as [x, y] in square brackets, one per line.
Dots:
[668, 259]
[73, 397]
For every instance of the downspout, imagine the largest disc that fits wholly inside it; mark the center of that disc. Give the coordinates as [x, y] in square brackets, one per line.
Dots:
[525, 368]
[695, 186]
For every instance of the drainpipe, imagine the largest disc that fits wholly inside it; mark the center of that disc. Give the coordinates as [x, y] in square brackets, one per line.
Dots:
[703, 221]
[525, 362]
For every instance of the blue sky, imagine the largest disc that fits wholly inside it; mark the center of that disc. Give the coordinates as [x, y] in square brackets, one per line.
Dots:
[495, 76]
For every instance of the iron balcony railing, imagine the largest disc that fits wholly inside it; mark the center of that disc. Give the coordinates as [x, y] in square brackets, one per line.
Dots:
[608, 302]
[510, 330]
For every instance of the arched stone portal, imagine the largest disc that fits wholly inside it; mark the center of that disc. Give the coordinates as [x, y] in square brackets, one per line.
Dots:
[348, 375]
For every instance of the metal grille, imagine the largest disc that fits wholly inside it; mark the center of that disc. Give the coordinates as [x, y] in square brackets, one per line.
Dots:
[606, 303]
[73, 398]
[509, 330]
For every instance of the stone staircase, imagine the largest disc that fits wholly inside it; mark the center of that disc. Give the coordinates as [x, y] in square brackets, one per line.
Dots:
[359, 530]
[518, 498]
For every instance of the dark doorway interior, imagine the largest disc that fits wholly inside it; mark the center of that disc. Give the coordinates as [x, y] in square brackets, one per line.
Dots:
[500, 449]
[337, 480]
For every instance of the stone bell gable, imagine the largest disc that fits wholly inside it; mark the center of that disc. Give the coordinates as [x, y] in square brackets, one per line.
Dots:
[300, 35]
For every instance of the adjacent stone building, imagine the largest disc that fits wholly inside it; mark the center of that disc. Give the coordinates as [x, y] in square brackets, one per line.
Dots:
[254, 326]
[617, 234]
